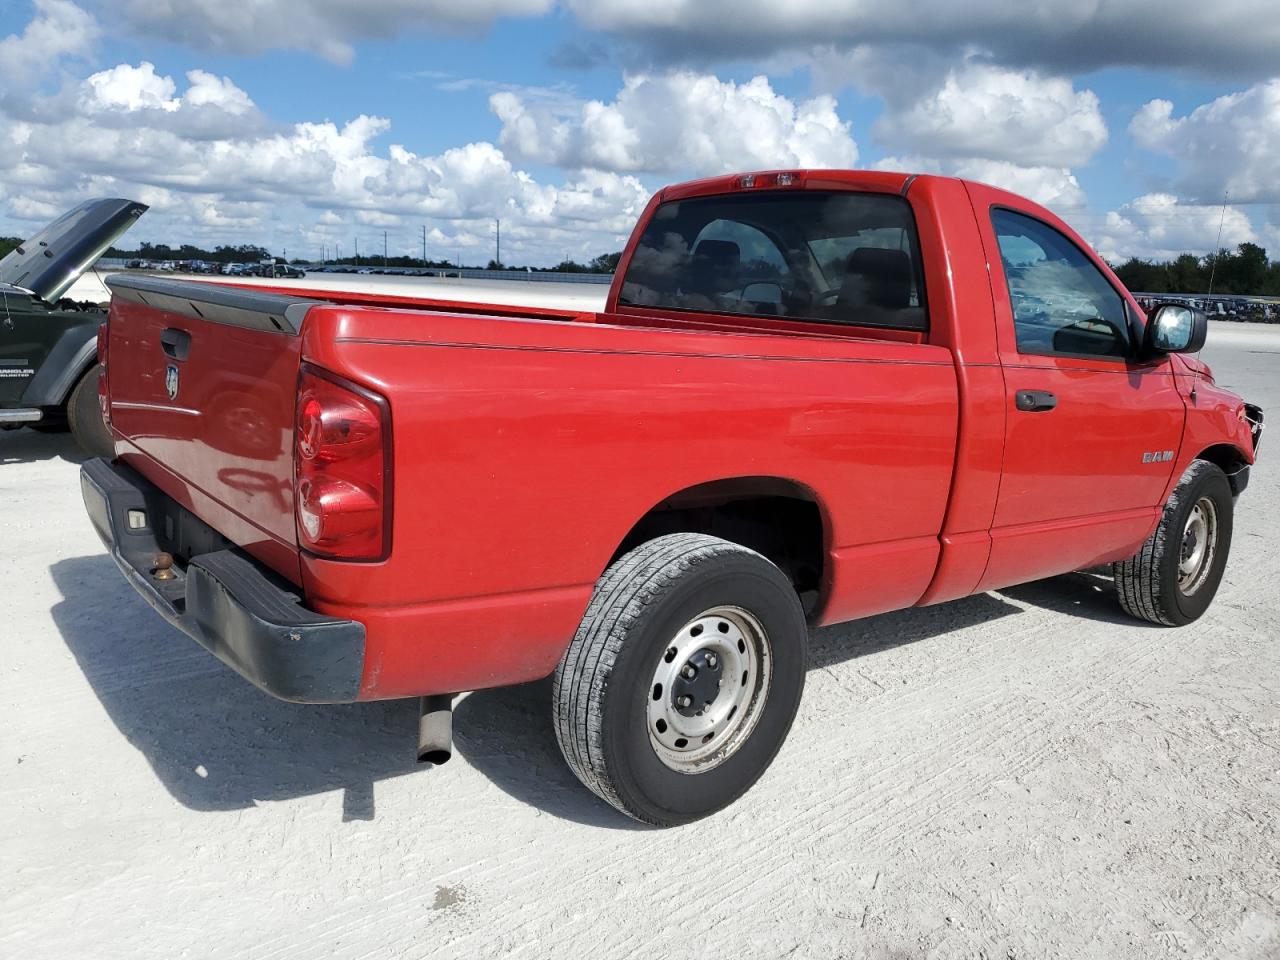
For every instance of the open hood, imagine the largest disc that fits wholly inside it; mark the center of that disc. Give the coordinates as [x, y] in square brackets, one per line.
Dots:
[51, 261]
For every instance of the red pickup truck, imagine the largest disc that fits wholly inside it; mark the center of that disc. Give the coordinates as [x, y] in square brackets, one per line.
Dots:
[812, 396]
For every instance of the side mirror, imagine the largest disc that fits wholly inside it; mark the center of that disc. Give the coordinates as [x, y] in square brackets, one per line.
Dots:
[1173, 328]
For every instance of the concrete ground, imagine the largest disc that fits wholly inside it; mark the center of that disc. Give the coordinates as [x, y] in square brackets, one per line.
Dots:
[1021, 774]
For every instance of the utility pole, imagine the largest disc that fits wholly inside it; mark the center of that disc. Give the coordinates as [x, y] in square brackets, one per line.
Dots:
[384, 249]
[357, 240]
[424, 244]
[498, 253]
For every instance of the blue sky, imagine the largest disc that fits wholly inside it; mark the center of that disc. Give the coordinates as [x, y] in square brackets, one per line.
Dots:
[562, 117]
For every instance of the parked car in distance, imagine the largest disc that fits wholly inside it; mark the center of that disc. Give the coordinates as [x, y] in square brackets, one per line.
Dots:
[48, 343]
[281, 270]
[812, 396]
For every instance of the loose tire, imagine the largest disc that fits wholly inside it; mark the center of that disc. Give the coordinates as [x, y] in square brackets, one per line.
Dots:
[683, 678]
[85, 416]
[1173, 578]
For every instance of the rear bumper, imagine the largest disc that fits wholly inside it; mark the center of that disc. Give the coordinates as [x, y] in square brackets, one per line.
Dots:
[236, 609]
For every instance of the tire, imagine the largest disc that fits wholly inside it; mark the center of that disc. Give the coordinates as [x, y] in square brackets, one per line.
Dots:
[1155, 584]
[85, 416]
[706, 598]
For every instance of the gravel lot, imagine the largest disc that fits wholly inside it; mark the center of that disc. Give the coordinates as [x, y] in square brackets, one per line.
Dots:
[1020, 774]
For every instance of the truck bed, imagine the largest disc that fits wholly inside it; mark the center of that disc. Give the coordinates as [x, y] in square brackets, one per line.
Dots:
[527, 443]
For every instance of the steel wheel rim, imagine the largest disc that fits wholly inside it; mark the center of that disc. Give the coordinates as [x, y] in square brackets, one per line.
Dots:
[1199, 546]
[725, 646]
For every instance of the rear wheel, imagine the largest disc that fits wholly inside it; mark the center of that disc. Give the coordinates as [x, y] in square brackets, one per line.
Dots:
[1173, 578]
[683, 679]
[85, 416]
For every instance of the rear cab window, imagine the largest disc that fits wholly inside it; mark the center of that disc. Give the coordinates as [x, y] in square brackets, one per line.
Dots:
[827, 256]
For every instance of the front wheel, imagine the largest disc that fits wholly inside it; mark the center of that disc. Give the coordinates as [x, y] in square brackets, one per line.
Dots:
[683, 678]
[1173, 578]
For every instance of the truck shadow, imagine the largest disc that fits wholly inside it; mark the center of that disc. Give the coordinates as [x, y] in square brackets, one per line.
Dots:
[217, 743]
[31, 446]
[1087, 594]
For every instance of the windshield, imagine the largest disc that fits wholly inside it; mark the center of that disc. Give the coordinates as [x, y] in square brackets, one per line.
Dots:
[836, 257]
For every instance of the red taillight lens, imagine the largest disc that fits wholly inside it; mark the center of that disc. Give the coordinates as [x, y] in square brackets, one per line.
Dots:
[342, 468]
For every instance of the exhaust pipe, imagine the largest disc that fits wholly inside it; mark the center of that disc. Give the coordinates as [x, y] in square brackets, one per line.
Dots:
[435, 729]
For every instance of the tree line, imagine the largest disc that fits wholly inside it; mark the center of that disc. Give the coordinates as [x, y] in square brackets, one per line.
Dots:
[1246, 272]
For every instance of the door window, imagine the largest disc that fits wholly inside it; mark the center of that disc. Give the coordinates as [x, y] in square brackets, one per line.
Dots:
[1062, 303]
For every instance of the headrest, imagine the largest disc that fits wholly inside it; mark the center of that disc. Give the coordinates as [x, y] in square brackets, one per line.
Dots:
[713, 268]
[875, 277]
[721, 253]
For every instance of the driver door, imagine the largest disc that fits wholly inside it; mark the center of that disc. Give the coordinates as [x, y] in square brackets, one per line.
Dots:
[1091, 432]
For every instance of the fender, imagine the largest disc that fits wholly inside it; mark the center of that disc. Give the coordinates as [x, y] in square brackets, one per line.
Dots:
[74, 352]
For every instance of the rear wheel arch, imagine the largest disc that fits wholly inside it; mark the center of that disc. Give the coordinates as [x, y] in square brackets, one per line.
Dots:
[780, 518]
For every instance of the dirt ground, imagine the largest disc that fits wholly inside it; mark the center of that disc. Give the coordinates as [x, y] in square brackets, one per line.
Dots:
[1021, 774]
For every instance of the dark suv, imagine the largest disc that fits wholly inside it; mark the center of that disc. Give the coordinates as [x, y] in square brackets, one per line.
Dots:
[48, 344]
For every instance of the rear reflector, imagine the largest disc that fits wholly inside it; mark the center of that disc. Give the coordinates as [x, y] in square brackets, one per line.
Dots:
[342, 468]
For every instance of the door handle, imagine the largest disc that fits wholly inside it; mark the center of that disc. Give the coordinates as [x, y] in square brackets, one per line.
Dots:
[1035, 401]
[175, 343]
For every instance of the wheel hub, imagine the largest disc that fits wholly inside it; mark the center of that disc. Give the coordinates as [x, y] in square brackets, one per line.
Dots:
[698, 684]
[708, 689]
[1199, 545]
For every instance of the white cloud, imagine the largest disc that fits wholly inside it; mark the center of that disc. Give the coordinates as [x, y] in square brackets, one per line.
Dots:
[133, 97]
[126, 87]
[1237, 36]
[326, 27]
[59, 29]
[209, 90]
[1227, 146]
[1054, 187]
[1157, 226]
[992, 113]
[679, 122]
[210, 177]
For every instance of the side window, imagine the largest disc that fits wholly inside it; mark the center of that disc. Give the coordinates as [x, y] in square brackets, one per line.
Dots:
[1062, 304]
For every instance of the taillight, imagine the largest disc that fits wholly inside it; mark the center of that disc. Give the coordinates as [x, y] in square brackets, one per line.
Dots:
[342, 468]
[104, 404]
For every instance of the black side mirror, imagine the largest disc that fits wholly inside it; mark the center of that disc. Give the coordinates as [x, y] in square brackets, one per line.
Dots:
[1174, 328]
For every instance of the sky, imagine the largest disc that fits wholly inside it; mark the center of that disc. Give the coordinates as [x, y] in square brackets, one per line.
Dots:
[314, 126]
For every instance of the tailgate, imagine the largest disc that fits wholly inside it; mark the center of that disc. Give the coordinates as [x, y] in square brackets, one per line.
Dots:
[202, 381]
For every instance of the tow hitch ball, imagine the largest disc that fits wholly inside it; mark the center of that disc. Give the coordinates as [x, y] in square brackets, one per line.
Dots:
[435, 729]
